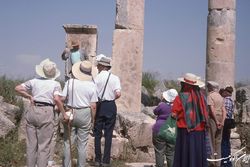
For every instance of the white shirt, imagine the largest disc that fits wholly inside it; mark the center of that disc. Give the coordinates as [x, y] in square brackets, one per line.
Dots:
[112, 86]
[84, 93]
[43, 90]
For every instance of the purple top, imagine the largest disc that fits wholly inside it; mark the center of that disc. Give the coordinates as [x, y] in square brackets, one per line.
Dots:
[162, 111]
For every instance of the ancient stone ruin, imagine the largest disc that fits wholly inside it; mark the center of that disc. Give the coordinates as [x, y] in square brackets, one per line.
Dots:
[221, 21]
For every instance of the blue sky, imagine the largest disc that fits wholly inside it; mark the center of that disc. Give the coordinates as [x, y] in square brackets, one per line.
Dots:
[174, 34]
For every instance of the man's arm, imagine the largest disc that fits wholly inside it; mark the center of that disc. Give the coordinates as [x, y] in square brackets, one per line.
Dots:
[117, 94]
[224, 113]
[59, 104]
[65, 54]
[211, 113]
[23, 92]
[93, 111]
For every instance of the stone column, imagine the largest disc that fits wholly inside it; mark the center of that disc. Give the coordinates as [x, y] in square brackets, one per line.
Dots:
[127, 52]
[87, 37]
[221, 20]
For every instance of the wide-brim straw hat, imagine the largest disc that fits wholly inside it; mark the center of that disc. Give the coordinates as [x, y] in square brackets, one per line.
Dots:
[82, 70]
[47, 69]
[192, 79]
[170, 95]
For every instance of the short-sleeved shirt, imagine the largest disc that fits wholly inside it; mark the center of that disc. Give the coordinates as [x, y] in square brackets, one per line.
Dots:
[71, 58]
[84, 93]
[112, 86]
[43, 90]
[229, 105]
[216, 100]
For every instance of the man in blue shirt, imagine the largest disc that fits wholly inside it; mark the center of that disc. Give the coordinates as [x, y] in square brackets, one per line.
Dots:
[71, 56]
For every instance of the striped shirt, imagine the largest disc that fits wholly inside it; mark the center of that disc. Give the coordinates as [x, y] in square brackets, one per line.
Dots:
[229, 105]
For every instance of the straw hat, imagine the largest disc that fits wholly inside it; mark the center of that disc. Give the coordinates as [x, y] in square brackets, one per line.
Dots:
[47, 69]
[82, 70]
[191, 79]
[104, 60]
[170, 95]
[74, 43]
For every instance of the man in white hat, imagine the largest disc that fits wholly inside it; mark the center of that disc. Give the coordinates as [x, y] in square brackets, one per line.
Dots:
[217, 113]
[109, 89]
[80, 95]
[43, 93]
[71, 56]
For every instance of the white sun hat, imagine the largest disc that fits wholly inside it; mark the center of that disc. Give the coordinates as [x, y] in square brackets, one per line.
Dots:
[47, 69]
[170, 95]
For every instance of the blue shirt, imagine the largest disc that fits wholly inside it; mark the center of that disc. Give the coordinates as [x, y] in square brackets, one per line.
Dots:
[75, 57]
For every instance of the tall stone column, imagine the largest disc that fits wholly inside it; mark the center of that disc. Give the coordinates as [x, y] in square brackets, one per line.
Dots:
[127, 52]
[87, 37]
[221, 21]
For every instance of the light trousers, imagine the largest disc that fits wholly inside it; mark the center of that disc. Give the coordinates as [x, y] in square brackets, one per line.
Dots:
[215, 138]
[80, 128]
[39, 133]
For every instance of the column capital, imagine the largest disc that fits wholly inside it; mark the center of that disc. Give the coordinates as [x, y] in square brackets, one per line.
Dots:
[80, 29]
[221, 4]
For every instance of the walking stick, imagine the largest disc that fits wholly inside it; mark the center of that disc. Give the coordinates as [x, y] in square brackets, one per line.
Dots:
[70, 146]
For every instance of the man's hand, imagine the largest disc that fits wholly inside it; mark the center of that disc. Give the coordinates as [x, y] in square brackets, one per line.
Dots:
[65, 117]
[219, 125]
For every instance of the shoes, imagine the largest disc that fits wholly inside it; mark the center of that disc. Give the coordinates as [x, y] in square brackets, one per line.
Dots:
[97, 164]
[106, 165]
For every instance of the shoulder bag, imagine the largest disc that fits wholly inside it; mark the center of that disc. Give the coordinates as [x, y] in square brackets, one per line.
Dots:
[168, 130]
[98, 105]
[229, 123]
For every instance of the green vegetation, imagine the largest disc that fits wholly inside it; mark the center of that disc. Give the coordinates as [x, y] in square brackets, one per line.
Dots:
[7, 89]
[171, 84]
[12, 151]
[149, 81]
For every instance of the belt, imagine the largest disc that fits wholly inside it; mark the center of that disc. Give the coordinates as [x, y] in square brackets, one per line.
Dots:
[77, 108]
[107, 100]
[42, 104]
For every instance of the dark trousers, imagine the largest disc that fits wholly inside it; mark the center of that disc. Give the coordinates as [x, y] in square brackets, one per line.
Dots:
[105, 121]
[226, 148]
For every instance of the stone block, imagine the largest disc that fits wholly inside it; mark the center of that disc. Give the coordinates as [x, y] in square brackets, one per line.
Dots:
[127, 58]
[137, 127]
[223, 73]
[220, 4]
[129, 14]
[117, 149]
